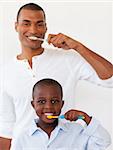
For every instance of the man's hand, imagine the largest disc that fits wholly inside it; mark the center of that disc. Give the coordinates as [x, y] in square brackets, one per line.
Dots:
[5, 143]
[63, 41]
[72, 115]
[103, 68]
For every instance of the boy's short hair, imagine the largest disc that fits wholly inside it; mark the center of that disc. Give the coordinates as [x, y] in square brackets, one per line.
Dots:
[48, 82]
[30, 6]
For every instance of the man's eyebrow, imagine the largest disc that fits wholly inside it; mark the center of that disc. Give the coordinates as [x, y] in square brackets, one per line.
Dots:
[40, 21]
[25, 20]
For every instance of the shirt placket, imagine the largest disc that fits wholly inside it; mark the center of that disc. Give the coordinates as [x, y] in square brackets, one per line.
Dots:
[54, 134]
[31, 71]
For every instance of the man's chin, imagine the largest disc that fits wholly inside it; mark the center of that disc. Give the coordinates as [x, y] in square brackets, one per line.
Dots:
[34, 48]
[32, 45]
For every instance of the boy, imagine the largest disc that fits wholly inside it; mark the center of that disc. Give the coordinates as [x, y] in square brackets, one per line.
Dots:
[53, 134]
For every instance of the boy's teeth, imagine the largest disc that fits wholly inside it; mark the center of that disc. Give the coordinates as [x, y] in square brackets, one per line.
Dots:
[48, 114]
[32, 37]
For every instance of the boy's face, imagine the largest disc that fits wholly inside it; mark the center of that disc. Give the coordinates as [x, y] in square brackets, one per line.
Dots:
[47, 101]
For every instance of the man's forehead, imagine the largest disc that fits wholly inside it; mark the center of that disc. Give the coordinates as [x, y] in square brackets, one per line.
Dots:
[27, 14]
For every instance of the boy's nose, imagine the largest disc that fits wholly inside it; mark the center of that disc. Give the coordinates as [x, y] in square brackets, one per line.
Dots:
[48, 105]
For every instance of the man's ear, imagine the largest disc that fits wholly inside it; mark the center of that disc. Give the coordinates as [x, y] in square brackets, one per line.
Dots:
[32, 103]
[16, 24]
[46, 28]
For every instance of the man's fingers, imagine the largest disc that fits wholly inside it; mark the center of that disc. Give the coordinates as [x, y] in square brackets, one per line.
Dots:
[50, 36]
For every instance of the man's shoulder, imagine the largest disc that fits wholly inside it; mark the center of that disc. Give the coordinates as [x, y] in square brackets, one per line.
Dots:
[8, 65]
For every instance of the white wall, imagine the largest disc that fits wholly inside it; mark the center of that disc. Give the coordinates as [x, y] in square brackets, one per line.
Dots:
[88, 22]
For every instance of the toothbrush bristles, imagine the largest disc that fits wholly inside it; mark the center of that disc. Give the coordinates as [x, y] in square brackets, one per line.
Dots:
[52, 117]
[40, 39]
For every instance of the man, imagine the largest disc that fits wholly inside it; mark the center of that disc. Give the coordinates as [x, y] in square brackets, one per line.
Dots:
[35, 63]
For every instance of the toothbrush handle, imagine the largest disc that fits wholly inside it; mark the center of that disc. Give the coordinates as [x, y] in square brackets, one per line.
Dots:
[62, 117]
[79, 117]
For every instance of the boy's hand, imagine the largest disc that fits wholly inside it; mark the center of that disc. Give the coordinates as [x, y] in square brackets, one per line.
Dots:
[72, 115]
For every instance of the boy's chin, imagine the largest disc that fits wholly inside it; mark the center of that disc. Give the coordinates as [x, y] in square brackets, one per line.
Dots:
[50, 121]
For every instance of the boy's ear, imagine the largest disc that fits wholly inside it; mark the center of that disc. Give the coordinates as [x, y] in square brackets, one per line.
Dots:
[32, 103]
[62, 103]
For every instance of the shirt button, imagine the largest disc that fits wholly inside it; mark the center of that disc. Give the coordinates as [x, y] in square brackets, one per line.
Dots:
[33, 76]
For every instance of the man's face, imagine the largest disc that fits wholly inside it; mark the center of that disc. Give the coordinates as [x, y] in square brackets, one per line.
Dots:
[47, 101]
[31, 24]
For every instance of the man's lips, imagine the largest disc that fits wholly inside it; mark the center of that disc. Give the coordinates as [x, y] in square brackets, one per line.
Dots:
[35, 38]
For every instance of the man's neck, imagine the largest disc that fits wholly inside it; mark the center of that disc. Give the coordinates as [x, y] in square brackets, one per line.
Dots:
[28, 54]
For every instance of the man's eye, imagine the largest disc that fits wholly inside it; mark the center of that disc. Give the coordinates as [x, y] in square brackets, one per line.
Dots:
[41, 24]
[26, 24]
[41, 101]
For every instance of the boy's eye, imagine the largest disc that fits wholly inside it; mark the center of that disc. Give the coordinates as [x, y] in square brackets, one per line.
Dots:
[54, 101]
[41, 101]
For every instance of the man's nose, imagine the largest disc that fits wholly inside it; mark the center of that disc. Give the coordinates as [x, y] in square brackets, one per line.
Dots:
[33, 29]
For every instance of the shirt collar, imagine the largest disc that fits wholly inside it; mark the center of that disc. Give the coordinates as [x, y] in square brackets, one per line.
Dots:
[33, 128]
[34, 57]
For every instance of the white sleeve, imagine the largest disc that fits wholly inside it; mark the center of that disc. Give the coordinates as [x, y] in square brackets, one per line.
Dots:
[16, 144]
[99, 138]
[88, 73]
[7, 114]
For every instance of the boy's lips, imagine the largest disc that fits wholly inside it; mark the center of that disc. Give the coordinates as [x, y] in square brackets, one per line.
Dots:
[48, 114]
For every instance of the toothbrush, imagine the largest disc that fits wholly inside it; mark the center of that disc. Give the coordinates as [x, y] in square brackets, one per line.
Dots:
[63, 117]
[49, 37]
[40, 39]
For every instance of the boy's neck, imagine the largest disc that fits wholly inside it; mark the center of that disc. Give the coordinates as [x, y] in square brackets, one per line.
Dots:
[48, 128]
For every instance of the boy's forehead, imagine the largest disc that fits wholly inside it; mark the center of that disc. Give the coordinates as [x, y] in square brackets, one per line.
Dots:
[43, 89]
[50, 87]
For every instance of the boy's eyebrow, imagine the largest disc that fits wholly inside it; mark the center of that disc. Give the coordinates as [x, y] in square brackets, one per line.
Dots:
[56, 97]
[40, 97]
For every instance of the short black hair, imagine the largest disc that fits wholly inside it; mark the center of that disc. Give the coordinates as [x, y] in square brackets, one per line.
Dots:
[48, 82]
[30, 6]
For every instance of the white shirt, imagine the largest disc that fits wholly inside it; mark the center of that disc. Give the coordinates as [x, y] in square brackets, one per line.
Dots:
[66, 136]
[17, 80]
